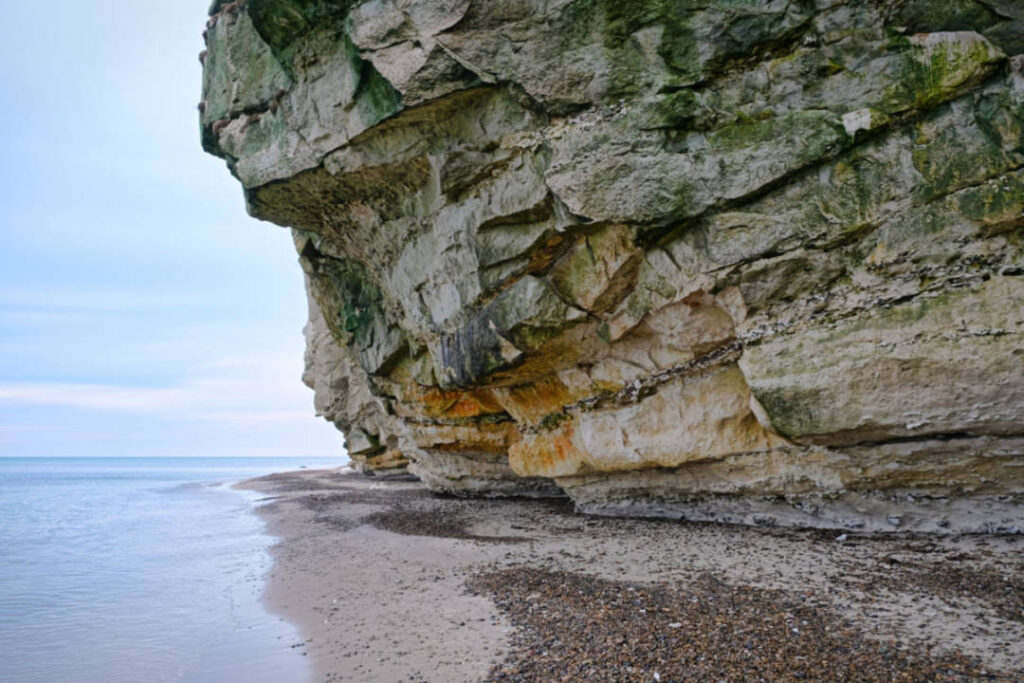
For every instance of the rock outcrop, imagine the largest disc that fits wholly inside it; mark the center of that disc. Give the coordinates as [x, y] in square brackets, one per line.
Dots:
[755, 261]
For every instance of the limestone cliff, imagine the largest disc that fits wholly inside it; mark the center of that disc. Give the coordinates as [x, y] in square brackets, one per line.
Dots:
[749, 260]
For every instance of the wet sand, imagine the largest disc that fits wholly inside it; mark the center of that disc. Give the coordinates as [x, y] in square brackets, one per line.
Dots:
[388, 582]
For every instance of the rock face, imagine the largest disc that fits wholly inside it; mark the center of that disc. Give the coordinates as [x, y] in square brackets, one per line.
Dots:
[748, 260]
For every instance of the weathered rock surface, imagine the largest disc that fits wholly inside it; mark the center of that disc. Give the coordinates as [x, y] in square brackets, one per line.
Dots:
[724, 259]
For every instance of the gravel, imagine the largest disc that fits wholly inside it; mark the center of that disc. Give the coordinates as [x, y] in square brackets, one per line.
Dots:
[574, 627]
[414, 522]
[1004, 591]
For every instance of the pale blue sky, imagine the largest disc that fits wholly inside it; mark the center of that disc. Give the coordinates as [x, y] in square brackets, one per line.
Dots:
[142, 312]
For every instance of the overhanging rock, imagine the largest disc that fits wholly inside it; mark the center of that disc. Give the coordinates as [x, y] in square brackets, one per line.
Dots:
[750, 261]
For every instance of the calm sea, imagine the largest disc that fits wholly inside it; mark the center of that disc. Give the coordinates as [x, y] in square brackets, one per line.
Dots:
[138, 570]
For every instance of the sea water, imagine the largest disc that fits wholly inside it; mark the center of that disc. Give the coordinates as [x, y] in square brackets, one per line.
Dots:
[138, 570]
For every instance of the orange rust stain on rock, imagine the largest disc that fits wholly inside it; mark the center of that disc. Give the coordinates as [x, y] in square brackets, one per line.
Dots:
[389, 459]
[492, 438]
[529, 403]
[546, 454]
[451, 404]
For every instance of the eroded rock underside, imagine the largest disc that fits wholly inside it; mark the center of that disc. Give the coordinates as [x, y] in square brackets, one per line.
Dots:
[748, 260]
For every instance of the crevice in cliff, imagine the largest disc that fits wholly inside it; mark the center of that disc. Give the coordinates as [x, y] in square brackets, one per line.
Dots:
[489, 419]
[643, 387]
[838, 442]
[756, 334]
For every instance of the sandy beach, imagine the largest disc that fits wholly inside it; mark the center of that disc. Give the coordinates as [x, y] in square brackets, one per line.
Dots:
[388, 582]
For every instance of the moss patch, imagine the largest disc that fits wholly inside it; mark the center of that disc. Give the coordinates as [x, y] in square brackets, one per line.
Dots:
[282, 22]
[935, 68]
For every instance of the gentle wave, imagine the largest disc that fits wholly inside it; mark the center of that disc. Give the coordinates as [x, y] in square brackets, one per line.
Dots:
[137, 570]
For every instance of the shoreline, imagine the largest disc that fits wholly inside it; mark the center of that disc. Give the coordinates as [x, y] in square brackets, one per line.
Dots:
[386, 581]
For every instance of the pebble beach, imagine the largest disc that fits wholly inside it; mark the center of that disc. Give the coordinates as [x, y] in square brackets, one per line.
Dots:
[387, 581]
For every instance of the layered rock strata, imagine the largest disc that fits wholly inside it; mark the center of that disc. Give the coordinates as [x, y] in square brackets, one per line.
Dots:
[756, 261]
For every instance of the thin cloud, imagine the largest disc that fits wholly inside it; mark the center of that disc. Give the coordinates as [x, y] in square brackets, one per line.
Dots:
[261, 416]
[93, 396]
[251, 388]
[91, 299]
